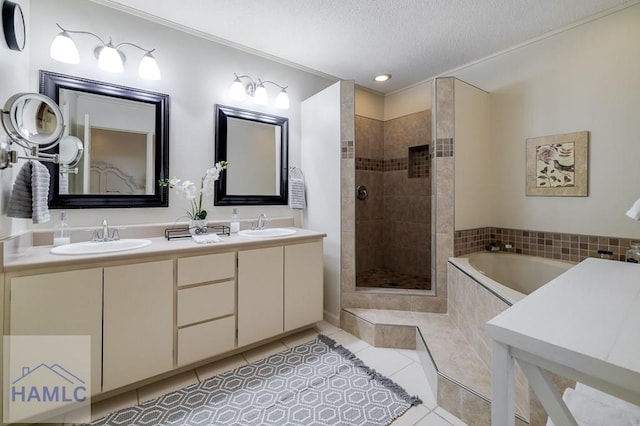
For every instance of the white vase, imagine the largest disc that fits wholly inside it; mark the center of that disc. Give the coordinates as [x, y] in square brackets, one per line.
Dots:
[197, 226]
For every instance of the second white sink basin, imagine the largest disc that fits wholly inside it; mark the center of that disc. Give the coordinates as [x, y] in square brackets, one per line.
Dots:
[267, 232]
[90, 247]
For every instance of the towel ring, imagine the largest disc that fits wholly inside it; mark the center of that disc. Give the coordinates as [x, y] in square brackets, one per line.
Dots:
[33, 121]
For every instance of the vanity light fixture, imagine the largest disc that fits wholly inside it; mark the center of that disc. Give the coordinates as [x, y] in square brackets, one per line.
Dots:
[256, 91]
[110, 57]
[382, 77]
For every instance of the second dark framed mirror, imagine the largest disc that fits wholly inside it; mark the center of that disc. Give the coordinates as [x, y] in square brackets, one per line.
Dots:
[125, 134]
[256, 146]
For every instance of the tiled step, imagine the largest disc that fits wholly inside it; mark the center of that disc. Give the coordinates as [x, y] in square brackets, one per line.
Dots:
[460, 379]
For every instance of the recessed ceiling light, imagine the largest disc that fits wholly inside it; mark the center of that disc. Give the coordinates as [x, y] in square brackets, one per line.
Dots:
[382, 77]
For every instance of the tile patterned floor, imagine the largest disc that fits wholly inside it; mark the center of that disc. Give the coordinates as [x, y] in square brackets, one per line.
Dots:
[386, 278]
[400, 365]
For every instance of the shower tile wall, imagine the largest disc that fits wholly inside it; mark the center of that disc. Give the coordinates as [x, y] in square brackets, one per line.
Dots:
[393, 229]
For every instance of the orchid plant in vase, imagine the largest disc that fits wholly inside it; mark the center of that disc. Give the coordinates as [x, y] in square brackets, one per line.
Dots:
[191, 192]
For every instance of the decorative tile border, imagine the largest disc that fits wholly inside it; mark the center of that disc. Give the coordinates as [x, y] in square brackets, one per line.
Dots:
[348, 149]
[376, 165]
[444, 147]
[553, 245]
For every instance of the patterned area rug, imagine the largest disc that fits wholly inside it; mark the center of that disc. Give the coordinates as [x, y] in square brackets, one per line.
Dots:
[316, 383]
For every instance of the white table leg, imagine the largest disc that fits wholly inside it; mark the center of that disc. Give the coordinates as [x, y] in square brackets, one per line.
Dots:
[502, 386]
[546, 392]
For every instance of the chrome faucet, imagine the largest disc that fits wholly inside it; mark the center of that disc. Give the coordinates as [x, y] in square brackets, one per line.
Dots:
[105, 230]
[259, 224]
[96, 237]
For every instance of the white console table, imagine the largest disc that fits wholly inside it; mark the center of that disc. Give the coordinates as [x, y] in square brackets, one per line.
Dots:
[584, 325]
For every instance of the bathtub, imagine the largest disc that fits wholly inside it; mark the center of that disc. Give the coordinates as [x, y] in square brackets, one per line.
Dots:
[510, 276]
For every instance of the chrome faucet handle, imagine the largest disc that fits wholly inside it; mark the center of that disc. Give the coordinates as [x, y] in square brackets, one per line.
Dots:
[115, 235]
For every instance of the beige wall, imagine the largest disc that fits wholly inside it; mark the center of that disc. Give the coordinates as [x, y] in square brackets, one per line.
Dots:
[587, 78]
[474, 168]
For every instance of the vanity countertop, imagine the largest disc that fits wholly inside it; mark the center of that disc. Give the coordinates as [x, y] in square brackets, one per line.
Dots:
[40, 256]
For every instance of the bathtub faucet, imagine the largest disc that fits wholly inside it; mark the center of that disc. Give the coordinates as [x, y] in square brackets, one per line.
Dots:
[495, 247]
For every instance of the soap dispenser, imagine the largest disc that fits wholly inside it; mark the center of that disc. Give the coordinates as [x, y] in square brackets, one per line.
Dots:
[234, 225]
[61, 234]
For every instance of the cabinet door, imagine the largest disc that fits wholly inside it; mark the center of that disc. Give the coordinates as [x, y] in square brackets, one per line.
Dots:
[64, 303]
[260, 287]
[303, 284]
[138, 322]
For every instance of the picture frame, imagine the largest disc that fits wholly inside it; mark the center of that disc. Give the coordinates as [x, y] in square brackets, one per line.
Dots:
[557, 165]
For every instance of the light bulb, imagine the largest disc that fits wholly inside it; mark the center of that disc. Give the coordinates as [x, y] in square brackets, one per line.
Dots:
[236, 91]
[260, 97]
[149, 68]
[63, 49]
[282, 100]
[109, 59]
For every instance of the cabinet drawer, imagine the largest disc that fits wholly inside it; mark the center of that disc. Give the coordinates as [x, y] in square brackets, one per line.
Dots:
[205, 340]
[201, 269]
[197, 304]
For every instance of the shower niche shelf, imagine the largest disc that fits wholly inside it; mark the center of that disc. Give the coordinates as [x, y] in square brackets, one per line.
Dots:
[419, 161]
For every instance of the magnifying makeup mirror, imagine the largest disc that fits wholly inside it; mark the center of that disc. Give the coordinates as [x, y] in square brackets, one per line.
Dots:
[70, 151]
[35, 122]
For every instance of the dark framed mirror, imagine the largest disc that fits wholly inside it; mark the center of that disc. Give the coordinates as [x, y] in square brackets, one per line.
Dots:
[125, 134]
[256, 147]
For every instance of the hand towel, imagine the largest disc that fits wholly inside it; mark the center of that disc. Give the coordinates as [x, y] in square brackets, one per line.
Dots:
[20, 202]
[297, 196]
[30, 193]
[40, 179]
[634, 211]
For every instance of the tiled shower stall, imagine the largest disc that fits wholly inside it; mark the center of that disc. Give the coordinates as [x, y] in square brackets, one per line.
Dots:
[393, 222]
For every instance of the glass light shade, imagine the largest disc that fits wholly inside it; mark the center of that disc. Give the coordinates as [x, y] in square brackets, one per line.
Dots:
[236, 91]
[63, 49]
[149, 68]
[109, 59]
[260, 97]
[282, 100]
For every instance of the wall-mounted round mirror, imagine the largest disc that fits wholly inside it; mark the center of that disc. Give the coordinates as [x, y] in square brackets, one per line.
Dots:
[32, 118]
[70, 151]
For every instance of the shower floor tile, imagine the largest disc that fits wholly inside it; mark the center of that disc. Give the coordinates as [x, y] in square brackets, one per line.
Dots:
[387, 278]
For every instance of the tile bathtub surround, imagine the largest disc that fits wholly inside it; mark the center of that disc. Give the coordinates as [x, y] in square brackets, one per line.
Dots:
[553, 245]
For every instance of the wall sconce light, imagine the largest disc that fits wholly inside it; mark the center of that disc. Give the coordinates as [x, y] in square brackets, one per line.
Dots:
[256, 91]
[110, 58]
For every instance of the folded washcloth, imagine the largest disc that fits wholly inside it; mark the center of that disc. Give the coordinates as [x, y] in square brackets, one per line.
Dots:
[634, 211]
[593, 409]
[30, 193]
[206, 238]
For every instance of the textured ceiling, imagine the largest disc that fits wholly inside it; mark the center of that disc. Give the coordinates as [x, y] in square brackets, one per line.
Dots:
[356, 39]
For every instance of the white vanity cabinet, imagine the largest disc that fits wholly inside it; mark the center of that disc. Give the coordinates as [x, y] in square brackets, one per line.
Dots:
[260, 294]
[206, 306]
[303, 284]
[151, 314]
[279, 289]
[60, 303]
[138, 322]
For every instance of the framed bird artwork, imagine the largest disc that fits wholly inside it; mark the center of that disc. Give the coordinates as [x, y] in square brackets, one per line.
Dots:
[557, 165]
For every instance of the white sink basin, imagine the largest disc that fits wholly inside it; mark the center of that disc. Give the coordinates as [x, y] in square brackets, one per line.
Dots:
[267, 232]
[90, 247]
